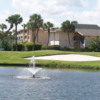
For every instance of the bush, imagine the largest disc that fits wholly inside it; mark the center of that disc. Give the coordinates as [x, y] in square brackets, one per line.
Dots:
[54, 47]
[6, 45]
[20, 47]
[68, 49]
[72, 48]
[44, 47]
[95, 44]
[29, 46]
[82, 49]
[88, 49]
[38, 46]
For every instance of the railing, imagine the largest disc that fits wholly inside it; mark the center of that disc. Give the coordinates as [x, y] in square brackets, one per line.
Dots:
[79, 38]
[76, 38]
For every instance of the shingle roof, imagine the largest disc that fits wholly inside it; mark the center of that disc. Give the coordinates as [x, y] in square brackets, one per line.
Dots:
[86, 29]
[86, 26]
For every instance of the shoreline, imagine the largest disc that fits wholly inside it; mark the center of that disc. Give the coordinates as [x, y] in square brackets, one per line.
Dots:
[48, 66]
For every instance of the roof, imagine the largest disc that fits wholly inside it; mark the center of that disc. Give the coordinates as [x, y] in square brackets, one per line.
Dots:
[87, 29]
[86, 26]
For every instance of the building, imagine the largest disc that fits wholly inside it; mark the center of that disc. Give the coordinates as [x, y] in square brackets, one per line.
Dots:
[78, 39]
[27, 36]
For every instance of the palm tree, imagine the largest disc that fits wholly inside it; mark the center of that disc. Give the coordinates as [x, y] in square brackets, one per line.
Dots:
[48, 26]
[36, 22]
[3, 26]
[28, 27]
[17, 19]
[10, 32]
[24, 26]
[9, 20]
[68, 27]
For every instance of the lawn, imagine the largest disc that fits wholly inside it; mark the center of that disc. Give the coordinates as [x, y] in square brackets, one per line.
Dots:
[12, 57]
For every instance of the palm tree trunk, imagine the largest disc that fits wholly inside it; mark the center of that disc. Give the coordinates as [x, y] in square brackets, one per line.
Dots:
[27, 34]
[69, 38]
[37, 34]
[16, 36]
[2, 30]
[23, 33]
[33, 35]
[48, 37]
[37, 37]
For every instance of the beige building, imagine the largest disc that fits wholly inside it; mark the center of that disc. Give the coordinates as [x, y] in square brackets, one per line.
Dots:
[78, 39]
[27, 36]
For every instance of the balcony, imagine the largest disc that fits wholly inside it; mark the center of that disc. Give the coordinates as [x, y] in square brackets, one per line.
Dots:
[76, 38]
[79, 38]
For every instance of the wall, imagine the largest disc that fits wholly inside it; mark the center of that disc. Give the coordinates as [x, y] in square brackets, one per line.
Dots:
[82, 45]
[88, 39]
[42, 37]
[63, 39]
[54, 39]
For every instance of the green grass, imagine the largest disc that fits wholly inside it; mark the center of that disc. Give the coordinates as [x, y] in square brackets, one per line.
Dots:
[12, 57]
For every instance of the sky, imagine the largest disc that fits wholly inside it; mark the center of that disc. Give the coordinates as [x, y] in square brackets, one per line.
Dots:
[55, 11]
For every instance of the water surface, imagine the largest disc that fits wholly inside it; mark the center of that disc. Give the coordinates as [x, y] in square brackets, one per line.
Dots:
[54, 85]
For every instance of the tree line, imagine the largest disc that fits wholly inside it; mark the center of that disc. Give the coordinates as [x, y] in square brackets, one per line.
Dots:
[35, 23]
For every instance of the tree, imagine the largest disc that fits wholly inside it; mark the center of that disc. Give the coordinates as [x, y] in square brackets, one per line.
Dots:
[9, 20]
[48, 26]
[16, 19]
[35, 22]
[95, 44]
[74, 22]
[24, 26]
[68, 27]
[3, 26]
[10, 33]
[28, 27]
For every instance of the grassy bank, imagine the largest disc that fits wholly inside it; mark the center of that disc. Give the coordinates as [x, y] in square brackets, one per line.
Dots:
[7, 57]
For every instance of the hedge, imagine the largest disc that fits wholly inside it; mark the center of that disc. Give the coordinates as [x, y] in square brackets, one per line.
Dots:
[20, 47]
[54, 47]
[29, 46]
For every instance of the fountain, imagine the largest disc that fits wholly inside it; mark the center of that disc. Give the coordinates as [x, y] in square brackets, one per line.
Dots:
[32, 68]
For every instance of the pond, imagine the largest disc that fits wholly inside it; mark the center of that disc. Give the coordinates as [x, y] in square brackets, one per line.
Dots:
[18, 84]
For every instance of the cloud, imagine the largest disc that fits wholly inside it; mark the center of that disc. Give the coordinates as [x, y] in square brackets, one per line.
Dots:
[86, 17]
[3, 17]
[56, 24]
[97, 7]
[47, 7]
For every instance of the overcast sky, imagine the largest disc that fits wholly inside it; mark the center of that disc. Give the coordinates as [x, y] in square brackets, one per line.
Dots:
[55, 11]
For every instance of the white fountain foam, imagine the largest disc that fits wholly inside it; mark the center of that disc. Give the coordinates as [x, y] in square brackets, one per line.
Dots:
[32, 68]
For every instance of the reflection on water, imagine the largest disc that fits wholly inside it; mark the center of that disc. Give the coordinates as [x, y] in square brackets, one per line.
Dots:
[18, 84]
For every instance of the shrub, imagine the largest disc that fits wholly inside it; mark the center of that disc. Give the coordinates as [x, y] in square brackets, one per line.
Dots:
[38, 46]
[20, 47]
[72, 48]
[54, 47]
[6, 45]
[29, 46]
[68, 49]
[82, 49]
[44, 47]
[95, 44]
[88, 49]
